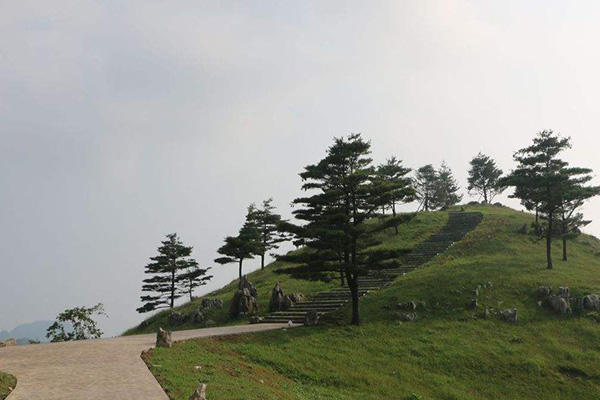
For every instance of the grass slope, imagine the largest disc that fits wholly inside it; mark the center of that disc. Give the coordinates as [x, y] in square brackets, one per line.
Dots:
[447, 354]
[6, 381]
[417, 230]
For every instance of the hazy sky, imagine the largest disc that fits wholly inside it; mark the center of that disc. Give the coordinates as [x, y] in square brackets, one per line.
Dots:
[121, 122]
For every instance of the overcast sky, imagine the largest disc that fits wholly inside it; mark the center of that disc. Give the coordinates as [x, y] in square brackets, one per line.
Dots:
[121, 122]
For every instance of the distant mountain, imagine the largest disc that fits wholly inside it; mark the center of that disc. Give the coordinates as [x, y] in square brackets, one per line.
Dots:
[32, 331]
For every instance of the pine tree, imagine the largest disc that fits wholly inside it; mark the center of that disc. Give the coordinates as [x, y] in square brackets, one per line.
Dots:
[393, 173]
[542, 179]
[246, 245]
[574, 196]
[166, 268]
[267, 222]
[445, 188]
[347, 194]
[194, 277]
[484, 178]
[426, 179]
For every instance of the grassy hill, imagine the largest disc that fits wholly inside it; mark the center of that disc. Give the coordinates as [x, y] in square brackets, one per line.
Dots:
[417, 230]
[6, 381]
[450, 353]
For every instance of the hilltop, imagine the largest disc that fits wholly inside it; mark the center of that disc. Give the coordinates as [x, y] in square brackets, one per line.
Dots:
[451, 352]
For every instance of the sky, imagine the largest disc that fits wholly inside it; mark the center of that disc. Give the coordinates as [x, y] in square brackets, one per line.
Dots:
[121, 122]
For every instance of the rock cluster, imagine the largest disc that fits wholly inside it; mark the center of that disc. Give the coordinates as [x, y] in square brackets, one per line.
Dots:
[200, 393]
[164, 338]
[244, 300]
[409, 317]
[255, 319]
[412, 305]
[209, 304]
[563, 303]
[509, 315]
[279, 301]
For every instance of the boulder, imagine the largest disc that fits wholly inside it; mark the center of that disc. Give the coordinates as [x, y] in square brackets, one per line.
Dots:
[164, 338]
[176, 318]
[559, 304]
[296, 297]
[197, 316]
[410, 317]
[544, 291]
[244, 300]
[311, 318]
[255, 319]
[510, 315]
[209, 304]
[591, 302]
[564, 292]
[8, 343]
[278, 300]
[409, 305]
[200, 393]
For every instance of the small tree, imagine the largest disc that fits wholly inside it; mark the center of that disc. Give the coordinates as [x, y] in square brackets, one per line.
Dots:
[166, 269]
[445, 188]
[484, 178]
[426, 179]
[267, 222]
[194, 277]
[246, 245]
[80, 320]
[392, 173]
[542, 179]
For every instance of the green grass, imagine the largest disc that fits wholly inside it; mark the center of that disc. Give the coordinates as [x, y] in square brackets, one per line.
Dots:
[447, 354]
[6, 381]
[264, 280]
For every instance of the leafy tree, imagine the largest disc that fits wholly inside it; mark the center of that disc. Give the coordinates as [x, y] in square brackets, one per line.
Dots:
[394, 174]
[484, 178]
[80, 320]
[267, 222]
[426, 179]
[167, 273]
[194, 277]
[246, 245]
[446, 188]
[346, 194]
[546, 181]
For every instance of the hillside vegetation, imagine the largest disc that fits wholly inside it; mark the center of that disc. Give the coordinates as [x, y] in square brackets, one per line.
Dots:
[449, 353]
[417, 230]
[6, 381]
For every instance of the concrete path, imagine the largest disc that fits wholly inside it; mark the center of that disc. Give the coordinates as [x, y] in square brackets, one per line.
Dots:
[104, 369]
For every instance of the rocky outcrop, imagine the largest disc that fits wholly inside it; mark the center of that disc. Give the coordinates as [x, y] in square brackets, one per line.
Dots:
[544, 291]
[164, 338]
[509, 315]
[410, 317]
[200, 393]
[591, 302]
[311, 318]
[209, 304]
[244, 300]
[278, 301]
[409, 305]
[177, 318]
[559, 304]
[255, 319]
[197, 316]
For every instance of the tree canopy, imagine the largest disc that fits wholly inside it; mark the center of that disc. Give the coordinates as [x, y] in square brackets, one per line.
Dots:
[76, 324]
[484, 178]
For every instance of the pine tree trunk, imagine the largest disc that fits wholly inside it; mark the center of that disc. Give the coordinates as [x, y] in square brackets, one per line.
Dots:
[262, 261]
[173, 289]
[485, 196]
[549, 242]
[343, 283]
[564, 249]
[394, 214]
[353, 282]
[240, 271]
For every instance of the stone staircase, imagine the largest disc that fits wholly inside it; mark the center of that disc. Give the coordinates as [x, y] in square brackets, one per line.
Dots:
[458, 225]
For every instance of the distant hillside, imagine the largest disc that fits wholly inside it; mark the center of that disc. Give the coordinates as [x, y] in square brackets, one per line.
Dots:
[31, 331]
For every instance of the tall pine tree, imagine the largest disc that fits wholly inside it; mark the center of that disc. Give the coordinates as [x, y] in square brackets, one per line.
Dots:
[267, 222]
[393, 173]
[345, 195]
[194, 277]
[246, 245]
[446, 188]
[484, 178]
[166, 270]
[425, 184]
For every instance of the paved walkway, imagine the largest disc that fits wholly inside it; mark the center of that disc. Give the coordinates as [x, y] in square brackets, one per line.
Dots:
[104, 369]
